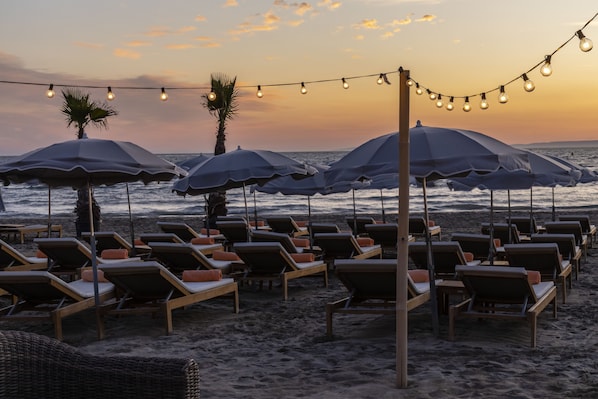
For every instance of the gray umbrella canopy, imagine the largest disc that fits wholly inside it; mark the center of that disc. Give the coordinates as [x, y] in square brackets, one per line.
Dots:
[191, 162]
[85, 163]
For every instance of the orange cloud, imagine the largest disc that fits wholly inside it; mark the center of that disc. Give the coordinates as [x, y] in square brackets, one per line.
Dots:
[138, 43]
[296, 23]
[181, 46]
[124, 53]
[158, 31]
[331, 5]
[367, 24]
[427, 18]
[89, 45]
[231, 3]
[271, 18]
[203, 38]
[302, 8]
[210, 45]
[387, 35]
[200, 18]
[186, 29]
[404, 21]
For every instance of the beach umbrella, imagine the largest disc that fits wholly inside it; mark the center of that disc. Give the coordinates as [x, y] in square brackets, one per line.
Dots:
[86, 163]
[194, 161]
[237, 169]
[434, 153]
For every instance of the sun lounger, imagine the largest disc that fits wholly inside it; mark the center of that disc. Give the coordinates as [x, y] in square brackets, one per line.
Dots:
[35, 366]
[587, 227]
[386, 235]
[148, 287]
[525, 225]
[345, 246]
[233, 231]
[42, 295]
[357, 224]
[316, 228]
[501, 231]
[445, 255]
[570, 227]
[282, 238]
[286, 225]
[544, 258]
[269, 261]
[12, 259]
[502, 292]
[567, 247]
[417, 227]
[178, 257]
[183, 230]
[22, 231]
[113, 240]
[476, 244]
[372, 289]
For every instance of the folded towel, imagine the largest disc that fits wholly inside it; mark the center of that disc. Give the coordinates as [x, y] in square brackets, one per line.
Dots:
[303, 258]
[223, 255]
[40, 254]
[202, 241]
[431, 223]
[195, 276]
[260, 223]
[213, 232]
[419, 275]
[468, 256]
[301, 223]
[497, 242]
[120, 253]
[300, 242]
[87, 275]
[534, 276]
[138, 242]
[365, 242]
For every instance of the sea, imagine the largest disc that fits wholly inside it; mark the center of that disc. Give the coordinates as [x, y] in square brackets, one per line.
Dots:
[158, 199]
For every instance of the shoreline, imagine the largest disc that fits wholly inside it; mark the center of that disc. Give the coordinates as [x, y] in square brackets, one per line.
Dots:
[275, 348]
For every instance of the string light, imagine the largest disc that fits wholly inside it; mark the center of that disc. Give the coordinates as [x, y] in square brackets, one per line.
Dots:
[450, 105]
[418, 90]
[466, 105]
[439, 101]
[585, 44]
[410, 82]
[380, 79]
[431, 94]
[484, 102]
[110, 95]
[212, 95]
[502, 96]
[163, 95]
[546, 69]
[259, 93]
[303, 88]
[528, 85]
[50, 93]
[345, 84]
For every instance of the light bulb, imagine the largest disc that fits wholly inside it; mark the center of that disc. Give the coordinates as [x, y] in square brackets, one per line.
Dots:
[380, 79]
[410, 82]
[211, 95]
[484, 102]
[163, 95]
[528, 85]
[585, 44]
[50, 93]
[439, 103]
[502, 96]
[303, 88]
[259, 93]
[345, 84]
[546, 69]
[466, 105]
[450, 105]
[418, 90]
[431, 94]
[110, 95]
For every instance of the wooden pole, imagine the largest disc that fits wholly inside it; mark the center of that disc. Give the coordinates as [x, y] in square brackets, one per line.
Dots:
[403, 231]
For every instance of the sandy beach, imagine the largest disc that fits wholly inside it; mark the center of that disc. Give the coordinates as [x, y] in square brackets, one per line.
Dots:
[278, 349]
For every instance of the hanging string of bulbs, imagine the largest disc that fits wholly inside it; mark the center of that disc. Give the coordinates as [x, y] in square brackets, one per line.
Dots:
[545, 65]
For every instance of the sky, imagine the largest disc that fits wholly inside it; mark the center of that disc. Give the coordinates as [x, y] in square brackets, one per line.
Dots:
[455, 48]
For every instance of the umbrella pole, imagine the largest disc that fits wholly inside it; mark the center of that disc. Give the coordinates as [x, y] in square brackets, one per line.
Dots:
[131, 227]
[354, 216]
[491, 229]
[382, 202]
[207, 212]
[246, 213]
[431, 272]
[309, 229]
[49, 211]
[509, 215]
[553, 207]
[92, 241]
[255, 210]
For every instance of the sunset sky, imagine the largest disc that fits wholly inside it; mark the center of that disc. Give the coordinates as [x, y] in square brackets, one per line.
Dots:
[457, 48]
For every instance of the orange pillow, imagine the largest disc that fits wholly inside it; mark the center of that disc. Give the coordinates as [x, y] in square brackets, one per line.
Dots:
[300, 242]
[365, 242]
[431, 223]
[196, 276]
[40, 254]
[139, 242]
[468, 256]
[497, 242]
[303, 258]
[301, 223]
[213, 232]
[202, 240]
[260, 223]
[419, 275]
[87, 275]
[223, 255]
[534, 277]
[120, 253]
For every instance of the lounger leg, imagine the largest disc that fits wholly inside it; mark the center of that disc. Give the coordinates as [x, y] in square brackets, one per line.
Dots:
[236, 300]
[168, 316]
[285, 287]
[326, 278]
[57, 321]
[564, 284]
[100, 325]
[533, 325]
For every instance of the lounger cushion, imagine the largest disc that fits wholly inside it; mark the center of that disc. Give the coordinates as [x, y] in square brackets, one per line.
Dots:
[223, 255]
[365, 242]
[212, 231]
[114, 253]
[202, 240]
[197, 276]
[300, 242]
[534, 277]
[138, 242]
[87, 275]
[419, 275]
[40, 254]
[303, 258]
[260, 223]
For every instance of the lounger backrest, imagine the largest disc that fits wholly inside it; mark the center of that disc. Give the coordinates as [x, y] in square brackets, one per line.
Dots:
[283, 224]
[68, 253]
[584, 220]
[417, 225]
[477, 244]
[385, 234]
[337, 245]
[178, 256]
[358, 223]
[525, 224]
[542, 257]
[446, 255]
[267, 258]
[9, 256]
[108, 240]
[570, 227]
[369, 278]
[323, 228]
[160, 237]
[496, 284]
[183, 230]
[269, 236]
[565, 242]
[501, 230]
[37, 286]
[234, 231]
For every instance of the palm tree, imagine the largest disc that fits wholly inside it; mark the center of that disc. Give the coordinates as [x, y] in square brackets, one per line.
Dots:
[81, 111]
[224, 108]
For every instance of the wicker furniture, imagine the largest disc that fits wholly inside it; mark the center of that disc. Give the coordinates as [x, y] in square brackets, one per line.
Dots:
[34, 366]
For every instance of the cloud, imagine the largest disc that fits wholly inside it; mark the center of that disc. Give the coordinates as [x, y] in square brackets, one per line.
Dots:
[89, 45]
[180, 46]
[359, 37]
[200, 18]
[271, 18]
[210, 45]
[231, 3]
[186, 29]
[387, 35]
[124, 53]
[302, 8]
[203, 38]
[296, 23]
[368, 23]
[404, 21]
[138, 43]
[426, 18]
[158, 31]
[331, 5]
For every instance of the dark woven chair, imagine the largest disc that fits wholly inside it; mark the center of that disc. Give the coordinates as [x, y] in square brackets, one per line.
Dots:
[34, 366]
